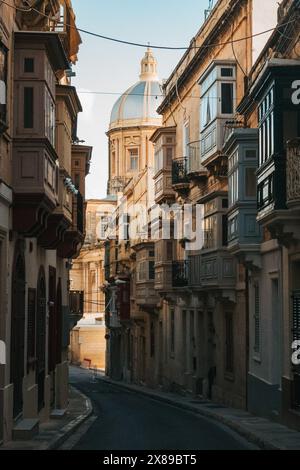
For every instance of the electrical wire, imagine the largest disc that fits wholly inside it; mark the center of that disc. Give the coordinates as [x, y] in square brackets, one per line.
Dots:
[103, 93]
[136, 44]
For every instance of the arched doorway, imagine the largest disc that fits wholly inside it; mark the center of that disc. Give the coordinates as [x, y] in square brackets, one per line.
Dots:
[18, 328]
[41, 338]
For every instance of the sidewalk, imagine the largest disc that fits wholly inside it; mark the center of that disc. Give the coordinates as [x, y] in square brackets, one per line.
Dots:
[259, 431]
[56, 431]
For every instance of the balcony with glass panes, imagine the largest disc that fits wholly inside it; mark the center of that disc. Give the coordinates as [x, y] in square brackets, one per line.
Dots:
[244, 232]
[38, 56]
[279, 126]
[217, 265]
[164, 143]
[217, 106]
[145, 294]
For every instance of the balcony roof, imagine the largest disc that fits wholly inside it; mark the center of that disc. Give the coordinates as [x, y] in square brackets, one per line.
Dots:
[72, 99]
[162, 130]
[51, 42]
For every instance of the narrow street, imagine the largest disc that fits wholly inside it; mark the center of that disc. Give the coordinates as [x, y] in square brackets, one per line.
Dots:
[127, 421]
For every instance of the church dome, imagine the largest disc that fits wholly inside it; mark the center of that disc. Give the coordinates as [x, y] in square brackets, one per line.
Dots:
[138, 105]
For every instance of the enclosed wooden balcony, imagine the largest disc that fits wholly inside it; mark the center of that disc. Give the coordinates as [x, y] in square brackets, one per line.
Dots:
[35, 183]
[218, 270]
[164, 192]
[164, 140]
[38, 57]
[163, 265]
[145, 294]
[61, 218]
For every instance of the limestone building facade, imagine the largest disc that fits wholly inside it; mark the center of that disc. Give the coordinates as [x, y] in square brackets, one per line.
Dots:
[41, 208]
[88, 343]
[195, 320]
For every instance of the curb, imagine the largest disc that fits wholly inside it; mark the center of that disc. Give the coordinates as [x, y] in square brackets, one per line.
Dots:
[250, 436]
[64, 434]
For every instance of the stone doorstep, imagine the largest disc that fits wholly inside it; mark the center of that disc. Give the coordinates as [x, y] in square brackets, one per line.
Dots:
[26, 430]
[58, 414]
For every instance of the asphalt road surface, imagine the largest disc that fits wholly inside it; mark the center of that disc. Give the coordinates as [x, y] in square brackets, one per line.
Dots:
[128, 421]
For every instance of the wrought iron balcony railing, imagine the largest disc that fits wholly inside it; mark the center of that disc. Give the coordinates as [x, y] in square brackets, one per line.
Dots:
[180, 273]
[180, 171]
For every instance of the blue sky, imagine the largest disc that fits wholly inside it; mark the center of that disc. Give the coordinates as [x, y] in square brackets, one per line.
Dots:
[110, 67]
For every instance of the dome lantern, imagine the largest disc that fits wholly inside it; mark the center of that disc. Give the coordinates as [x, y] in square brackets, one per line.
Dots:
[149, 66]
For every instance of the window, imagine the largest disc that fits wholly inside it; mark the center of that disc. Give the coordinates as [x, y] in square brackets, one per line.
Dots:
[134, 159]
[227, 98]
[76, 162]
[224, 230]
[29, 65]
[224, 203]
[28, 107]
[210, 227]
[113, 163]
[229, 351]
[250, 182]
[124, 225]
[266, 192]
[142, 271]
[172, 331]
[3, 82]
[256, 318]
[77, 181]
[103, 226]
[226, 72]
[158, 160]
[49, 117]
[151, 270]
[266, 127]
[233, 182]
[209, 106]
